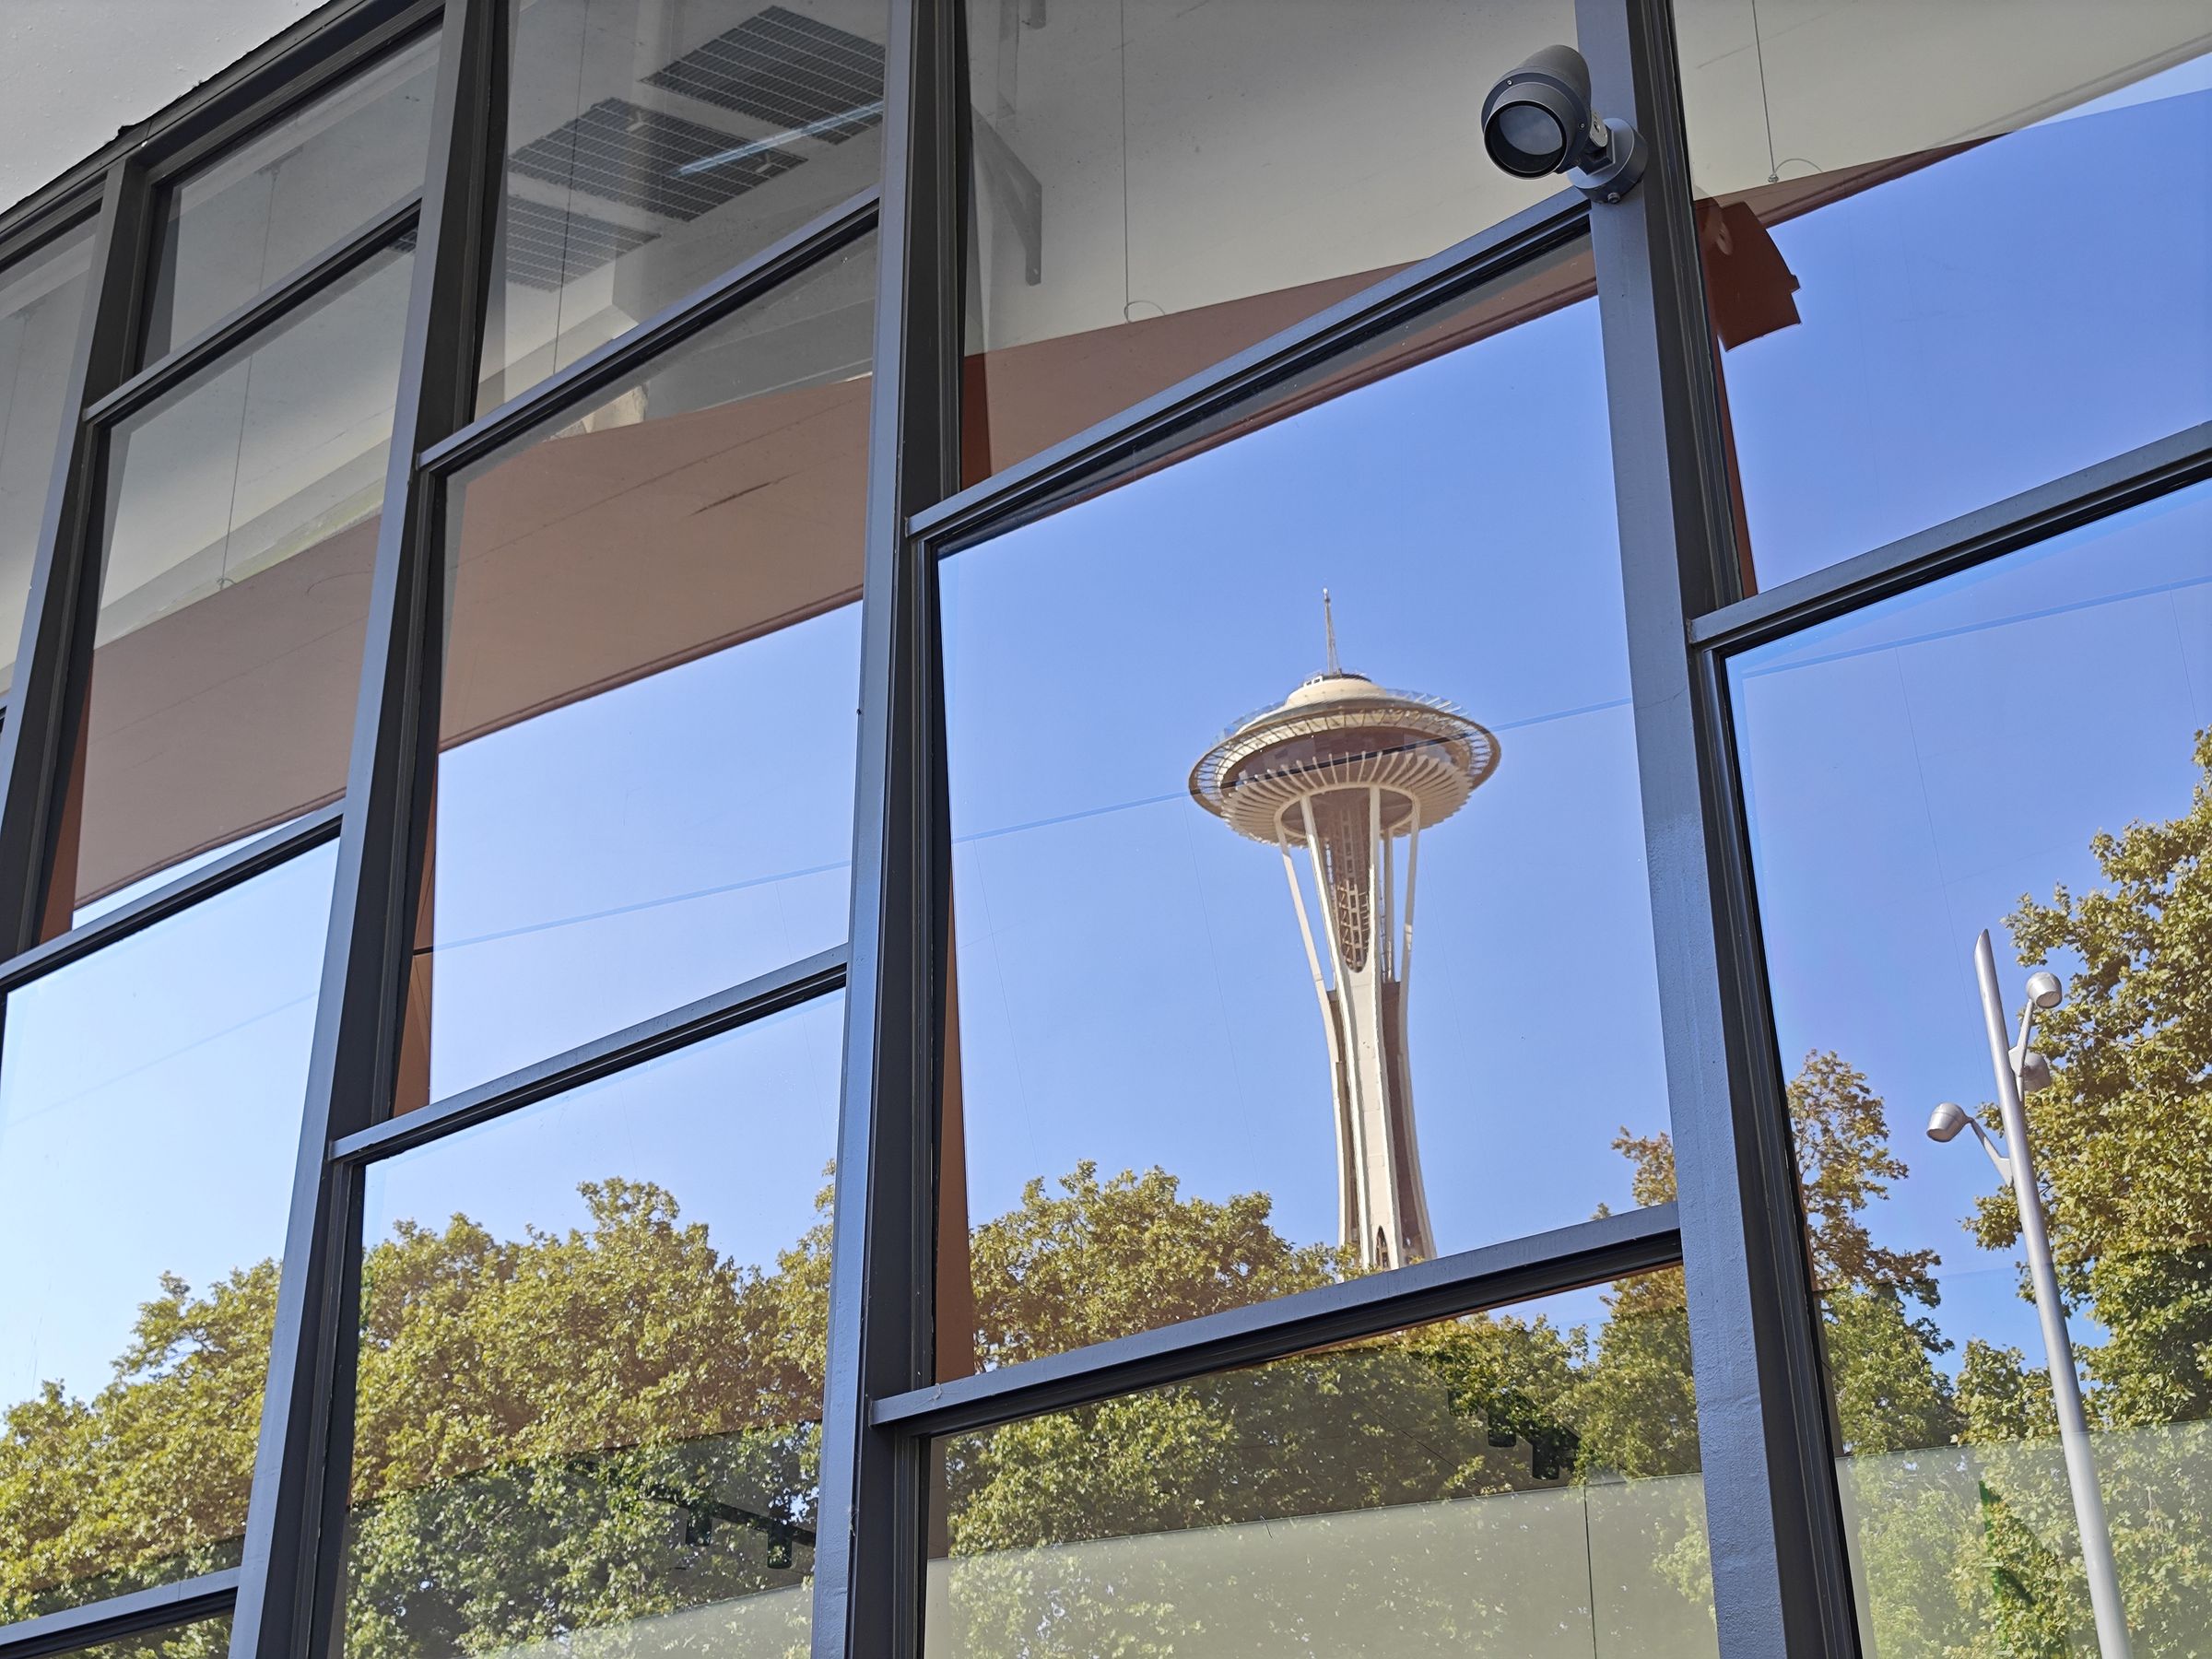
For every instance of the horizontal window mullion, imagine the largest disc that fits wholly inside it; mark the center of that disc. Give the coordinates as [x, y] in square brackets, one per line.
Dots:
[1471, 1281]
[64, 216]
[284, 296]
[162, 1607]
[1033, 486]
[800, 982]
[315, 67]
[622, 357]
[265, 853]
[2033, 516]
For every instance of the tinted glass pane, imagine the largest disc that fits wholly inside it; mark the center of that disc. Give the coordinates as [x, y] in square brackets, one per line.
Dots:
[41, 300]
[150, 1121]
[75, 74]
[619, 828]
[1524, 1485]
[210, 1638]
[1148, 1015]
[591, 1364]
[242, 528]
[653, 143]
[255, 215]
[2021, 748]
[1160, 185]
[1943, 263]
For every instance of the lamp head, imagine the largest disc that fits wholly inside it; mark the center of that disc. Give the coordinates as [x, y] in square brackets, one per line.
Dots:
[1945, 1121]
[2044, 990]
[1539, 120]
[2035, 1072]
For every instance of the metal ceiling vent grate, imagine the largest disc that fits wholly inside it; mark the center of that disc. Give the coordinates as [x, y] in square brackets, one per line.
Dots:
[792, 72]
[546, 247]
[623, 152]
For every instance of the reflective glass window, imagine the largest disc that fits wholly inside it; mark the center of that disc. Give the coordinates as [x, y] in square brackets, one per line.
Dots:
[2021, 748]
[1158, 184]
[242, 523]
[588, 1411]
[208, 1639]
[1191, 810]
[1945, 261]
[41, 301]
[644, 786]
[236, 226]
[1523, 1483]
[653, 143]
[150, 1123]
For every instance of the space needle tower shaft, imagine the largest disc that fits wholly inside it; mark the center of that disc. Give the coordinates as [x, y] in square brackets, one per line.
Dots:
[1341, 778]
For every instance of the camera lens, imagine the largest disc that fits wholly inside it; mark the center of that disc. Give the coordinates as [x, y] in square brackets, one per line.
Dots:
[1526, 140]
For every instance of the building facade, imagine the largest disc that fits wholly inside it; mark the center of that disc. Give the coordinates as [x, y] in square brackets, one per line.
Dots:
[621, 1035]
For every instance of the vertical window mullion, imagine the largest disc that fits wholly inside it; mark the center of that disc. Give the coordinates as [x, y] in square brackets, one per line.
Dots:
[1780, 1580]
[295, 1517]
[868, 1558]
[38, 744]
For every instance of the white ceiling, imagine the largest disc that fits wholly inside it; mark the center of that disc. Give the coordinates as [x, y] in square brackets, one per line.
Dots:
[74, 72]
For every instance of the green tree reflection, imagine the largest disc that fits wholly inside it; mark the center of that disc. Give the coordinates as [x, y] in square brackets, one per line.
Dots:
[588, 1431]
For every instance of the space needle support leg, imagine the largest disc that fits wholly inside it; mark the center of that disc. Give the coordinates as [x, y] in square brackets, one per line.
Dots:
[1346, 1216]
[1349, 1068]
[1413, 865]
[1305, 928]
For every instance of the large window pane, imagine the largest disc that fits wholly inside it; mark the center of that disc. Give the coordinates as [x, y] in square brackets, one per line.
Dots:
[2021, 748]
[150, 1120]
[644, 786]
[1158, 184]
[653, 143]
[591, 1364]
[1522, 1485]
[1943, 261]
[1158, 1036]
[41, 300]
[210, 1638]
[303, 185]
[241, 523]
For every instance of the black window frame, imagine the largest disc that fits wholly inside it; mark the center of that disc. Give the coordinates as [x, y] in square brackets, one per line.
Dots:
[1780, 1572]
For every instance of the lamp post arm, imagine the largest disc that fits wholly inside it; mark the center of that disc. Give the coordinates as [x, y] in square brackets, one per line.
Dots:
[1989, 1145]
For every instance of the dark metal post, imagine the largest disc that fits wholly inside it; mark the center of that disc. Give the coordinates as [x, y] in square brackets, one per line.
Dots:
[867, 1591]
[292, 1531]
[1779, 1576]
[38, 744]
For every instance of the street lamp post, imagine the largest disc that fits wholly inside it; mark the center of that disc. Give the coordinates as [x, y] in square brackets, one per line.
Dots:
[2017, 1066]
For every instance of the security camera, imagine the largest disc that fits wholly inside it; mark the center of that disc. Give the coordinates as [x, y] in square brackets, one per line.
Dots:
[1538, 121]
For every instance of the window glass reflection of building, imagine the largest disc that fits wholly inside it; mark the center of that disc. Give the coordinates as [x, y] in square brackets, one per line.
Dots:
[2021, 748]
[1525, 1482]
[150, 1123]
[645, 784]
[237, 226]
[652, 145]
[1945, 258]
[1151, 1044]
[242, 522]
[42, 299]
[590, 1381]
[1158, 185]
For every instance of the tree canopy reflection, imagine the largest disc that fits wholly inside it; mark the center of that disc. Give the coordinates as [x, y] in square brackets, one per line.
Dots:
[568, 1431]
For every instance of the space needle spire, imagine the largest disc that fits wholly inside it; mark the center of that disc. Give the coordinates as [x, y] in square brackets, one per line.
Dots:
[1346, 774]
